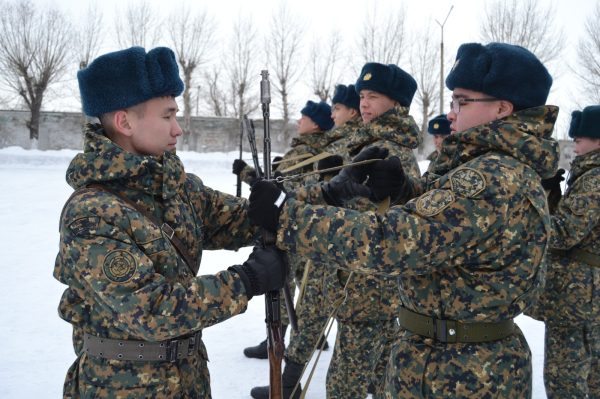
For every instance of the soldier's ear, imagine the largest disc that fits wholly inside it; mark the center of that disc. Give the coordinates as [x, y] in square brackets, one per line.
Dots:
[122, 122]
[505, 108]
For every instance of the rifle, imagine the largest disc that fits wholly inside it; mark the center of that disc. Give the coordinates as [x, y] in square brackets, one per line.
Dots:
[238, 184]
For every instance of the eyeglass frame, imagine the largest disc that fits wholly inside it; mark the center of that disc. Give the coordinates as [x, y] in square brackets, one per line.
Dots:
[463, 101]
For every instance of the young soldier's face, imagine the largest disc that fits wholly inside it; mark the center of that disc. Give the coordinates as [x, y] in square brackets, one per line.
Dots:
[306, 126]
[155, 129]
[437, 141]
[583, 145]
[465, 115]
[342, 114]
[373, 104]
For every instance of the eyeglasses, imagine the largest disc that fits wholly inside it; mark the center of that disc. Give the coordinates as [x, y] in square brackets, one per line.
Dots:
[457, 103]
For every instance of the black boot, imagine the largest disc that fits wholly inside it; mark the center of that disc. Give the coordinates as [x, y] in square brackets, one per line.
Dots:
[291, 375]
[260, 351]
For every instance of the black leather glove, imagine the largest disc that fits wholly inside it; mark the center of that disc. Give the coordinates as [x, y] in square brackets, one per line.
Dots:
[553, 182]
[238, 166]
[552, 185]
[275, 164]
[265, 270]
[387, 179]
[329, 162]
[266, 200]
[349, 182]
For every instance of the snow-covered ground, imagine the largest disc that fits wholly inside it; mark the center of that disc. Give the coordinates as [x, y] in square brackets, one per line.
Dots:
[36, 349]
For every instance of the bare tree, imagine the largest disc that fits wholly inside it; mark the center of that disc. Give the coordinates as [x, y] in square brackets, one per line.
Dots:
[588, 63]
[217, 99]
[241, 67]
[34, 53]
[89, 35]
[138, 25]
[424, 61]
[324, 57]
[527, 23]
[191, 37]
[283, 46]
[382, 38]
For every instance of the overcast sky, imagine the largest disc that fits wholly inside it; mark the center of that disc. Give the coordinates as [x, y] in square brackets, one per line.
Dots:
[324, 16]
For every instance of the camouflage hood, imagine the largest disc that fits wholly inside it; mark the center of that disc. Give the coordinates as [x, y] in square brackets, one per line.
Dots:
[582, 164]
[395, 125]
[105, 162]
[525, 135]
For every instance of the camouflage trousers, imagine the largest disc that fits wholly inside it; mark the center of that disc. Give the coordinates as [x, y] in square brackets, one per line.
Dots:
[420, 367]
[312, 314]
[96, 378]
[572, 361]
[359, 358]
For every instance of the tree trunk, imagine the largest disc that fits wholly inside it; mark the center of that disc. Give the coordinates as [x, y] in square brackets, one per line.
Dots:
[187, 110]
[34, 122]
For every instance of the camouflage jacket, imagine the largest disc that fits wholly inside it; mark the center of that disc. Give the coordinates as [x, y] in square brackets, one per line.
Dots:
[572, 293]
[125, 279]
[471, 246]
[370, 297]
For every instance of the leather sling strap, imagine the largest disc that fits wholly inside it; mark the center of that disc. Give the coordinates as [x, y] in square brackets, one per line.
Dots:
[453, 331]
[578, 255]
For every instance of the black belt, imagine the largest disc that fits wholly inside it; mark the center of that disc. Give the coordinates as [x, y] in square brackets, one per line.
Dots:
[144, 351]
[454, 331]
[578, 255]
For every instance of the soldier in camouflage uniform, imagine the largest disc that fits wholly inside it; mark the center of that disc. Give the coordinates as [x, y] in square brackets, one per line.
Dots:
[468, 249]
[132, 236]
[366, 319]
[439, 128]
[570, 302]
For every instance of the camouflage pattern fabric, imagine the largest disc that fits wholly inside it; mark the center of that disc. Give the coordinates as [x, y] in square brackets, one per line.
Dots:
[570, 303]
[359, 351]
[469, 248]
[125, 279]
[571, 366]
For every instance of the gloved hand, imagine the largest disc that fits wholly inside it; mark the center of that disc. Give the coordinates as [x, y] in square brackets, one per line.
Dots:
[275, 164]
[387, 179]
[238, 166]
[349, 182]
[552, 185]
[329, 162]
[265, 270]
[553, 182]
[266, 200]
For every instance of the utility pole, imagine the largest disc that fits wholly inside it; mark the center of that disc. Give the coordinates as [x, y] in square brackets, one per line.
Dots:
[197, 99]
[442, 61]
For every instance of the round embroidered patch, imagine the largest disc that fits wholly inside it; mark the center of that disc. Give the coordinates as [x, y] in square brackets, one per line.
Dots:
[119, 266]
[434, 201]
[590, 184]
[467, 182]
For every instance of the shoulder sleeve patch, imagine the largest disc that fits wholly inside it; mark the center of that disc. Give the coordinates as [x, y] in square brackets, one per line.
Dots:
[467, 182]
[578, 204]
[590, 184]
[119, 266]
[433, 202]
[84, 227]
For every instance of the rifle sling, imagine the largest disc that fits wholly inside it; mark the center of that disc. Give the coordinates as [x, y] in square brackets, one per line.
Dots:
[167, 230]
[314, 158]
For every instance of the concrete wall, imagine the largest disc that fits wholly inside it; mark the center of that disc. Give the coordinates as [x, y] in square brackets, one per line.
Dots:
[60, 130]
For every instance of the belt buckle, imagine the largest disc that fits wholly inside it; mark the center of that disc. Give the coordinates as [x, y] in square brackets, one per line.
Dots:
[172, 351]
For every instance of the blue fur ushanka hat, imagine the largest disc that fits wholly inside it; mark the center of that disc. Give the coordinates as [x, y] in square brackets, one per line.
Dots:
[439, 125]
[504, 71]
[586, 123]
[128, 77]
[346, 95]
[320, 113]
[389, 80]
